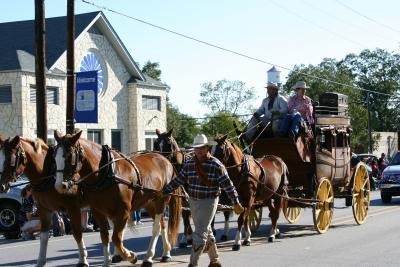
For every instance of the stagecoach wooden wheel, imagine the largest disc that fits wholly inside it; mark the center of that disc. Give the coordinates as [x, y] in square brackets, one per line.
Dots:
[323, 209]
[292, 214]
[255, 218]
[361, 193]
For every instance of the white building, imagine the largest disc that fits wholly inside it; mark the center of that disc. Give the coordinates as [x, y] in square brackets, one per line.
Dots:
[131, 105]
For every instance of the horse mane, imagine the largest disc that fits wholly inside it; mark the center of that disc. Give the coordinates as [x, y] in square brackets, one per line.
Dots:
[37, 143]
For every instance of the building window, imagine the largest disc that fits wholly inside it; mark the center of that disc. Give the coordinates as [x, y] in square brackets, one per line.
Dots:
[94, 135]
[52, 95]
[5, 94]
[150, 136]
[151, 102]
[116, 139]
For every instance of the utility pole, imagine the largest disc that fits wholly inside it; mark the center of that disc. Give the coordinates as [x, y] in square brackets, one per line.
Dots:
[40, 68]
[70, 127]
[369, 126]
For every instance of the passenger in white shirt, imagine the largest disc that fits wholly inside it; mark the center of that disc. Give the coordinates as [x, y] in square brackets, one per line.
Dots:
[273, 109]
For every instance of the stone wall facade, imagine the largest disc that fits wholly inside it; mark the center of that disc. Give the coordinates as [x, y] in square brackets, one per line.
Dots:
[120, 106]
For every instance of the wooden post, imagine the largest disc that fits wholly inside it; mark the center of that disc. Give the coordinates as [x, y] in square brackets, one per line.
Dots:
[70, 125]
[40, 70]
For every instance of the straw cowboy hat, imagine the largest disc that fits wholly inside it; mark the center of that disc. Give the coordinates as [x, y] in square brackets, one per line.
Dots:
[201, 140]
[272, 85]
[300, 85]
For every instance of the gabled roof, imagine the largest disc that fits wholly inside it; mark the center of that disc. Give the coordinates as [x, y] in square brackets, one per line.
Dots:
[17, 51]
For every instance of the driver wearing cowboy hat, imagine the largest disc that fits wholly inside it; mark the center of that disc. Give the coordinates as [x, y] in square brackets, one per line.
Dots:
[273, 109]
[204, 175]
[300, 109]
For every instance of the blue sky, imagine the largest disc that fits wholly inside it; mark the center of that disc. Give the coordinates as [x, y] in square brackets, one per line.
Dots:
[284, 32]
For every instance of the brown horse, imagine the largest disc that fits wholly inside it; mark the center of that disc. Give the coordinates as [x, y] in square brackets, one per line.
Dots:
[133, 185]
[258, 182]
[33, 157]
[167, 145]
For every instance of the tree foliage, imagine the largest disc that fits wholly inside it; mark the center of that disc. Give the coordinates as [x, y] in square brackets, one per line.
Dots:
[185, 127]
[152, 69]
[227, 96]
[378, 70]
[221, 124]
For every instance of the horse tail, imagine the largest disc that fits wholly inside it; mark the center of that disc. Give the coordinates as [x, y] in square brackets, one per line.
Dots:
[174, 216]
[285, 174]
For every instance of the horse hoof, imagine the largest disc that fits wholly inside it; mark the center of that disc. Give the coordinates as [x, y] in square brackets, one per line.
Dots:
[147, 264]
[166, 259]
[246, 243]
[190, 242]
[82, 265]
[183, 245]
[224, 238]
[271, 239]
[132, 258]
[236, 247]
[116, 258]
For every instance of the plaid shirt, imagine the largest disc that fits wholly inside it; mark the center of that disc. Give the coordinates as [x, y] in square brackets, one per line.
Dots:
[302, 105]
[217, 176]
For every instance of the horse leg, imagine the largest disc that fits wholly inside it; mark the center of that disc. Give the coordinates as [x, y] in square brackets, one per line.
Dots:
[118, 236]
[105, 239]
[166, 257]
[187, 230]
[274, 209]
[45, 222]
[224, 236]
[247, 239]
[238, 238]
[148, 261]
[75, 216]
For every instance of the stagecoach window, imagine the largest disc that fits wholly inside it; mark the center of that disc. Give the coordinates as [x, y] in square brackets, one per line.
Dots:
[340, 140]
[94, 135]
[151, 102]
[325, 140]
[5, 94]
[52, 95]
[150, 137]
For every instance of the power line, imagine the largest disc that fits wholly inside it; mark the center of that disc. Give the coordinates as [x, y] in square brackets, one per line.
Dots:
[357, 27]
[231, 51]
[297, 15]
[367, 17]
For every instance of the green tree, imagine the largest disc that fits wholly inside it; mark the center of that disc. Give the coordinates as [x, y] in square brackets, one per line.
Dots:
[185, 127]
[332, 70]
[221, 124]
[378, 70]
[227, 96]
[152, 69]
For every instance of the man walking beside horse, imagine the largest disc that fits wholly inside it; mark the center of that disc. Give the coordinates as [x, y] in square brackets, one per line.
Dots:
[204, 175]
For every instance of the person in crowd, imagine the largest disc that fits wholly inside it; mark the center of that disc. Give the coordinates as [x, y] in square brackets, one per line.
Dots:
[204, 175]
[28, 214]
[86, 226]
[272, 110]
[382, 163]
[136, 217]
[300, 109]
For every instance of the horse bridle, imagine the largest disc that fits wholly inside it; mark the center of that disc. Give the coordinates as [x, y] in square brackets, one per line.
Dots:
[225, 152]
[16, 160]
[76, 154]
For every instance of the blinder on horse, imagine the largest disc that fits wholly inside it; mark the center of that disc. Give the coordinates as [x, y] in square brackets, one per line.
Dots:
[15, 161]
[73, 153]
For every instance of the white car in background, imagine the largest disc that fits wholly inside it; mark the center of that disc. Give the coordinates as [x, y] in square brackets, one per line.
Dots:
[10, 204]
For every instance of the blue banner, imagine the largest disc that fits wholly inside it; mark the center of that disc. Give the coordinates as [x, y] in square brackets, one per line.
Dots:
[86, 97]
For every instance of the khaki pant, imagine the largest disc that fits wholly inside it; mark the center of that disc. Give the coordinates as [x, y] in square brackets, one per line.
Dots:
[203, 211]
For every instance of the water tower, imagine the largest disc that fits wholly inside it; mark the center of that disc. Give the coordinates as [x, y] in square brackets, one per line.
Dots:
[274, 76]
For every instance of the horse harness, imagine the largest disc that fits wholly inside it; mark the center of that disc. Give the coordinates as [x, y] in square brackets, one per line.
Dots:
[107, 175]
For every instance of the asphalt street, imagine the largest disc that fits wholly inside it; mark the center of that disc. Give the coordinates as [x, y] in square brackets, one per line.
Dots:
[345, 244]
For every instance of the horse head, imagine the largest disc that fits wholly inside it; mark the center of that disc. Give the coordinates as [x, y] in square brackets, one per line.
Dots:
[222, 150]
[68, 156]
[12, 162]
[165, 142]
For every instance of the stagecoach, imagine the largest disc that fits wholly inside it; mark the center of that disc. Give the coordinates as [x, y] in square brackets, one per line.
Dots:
[320, 167]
